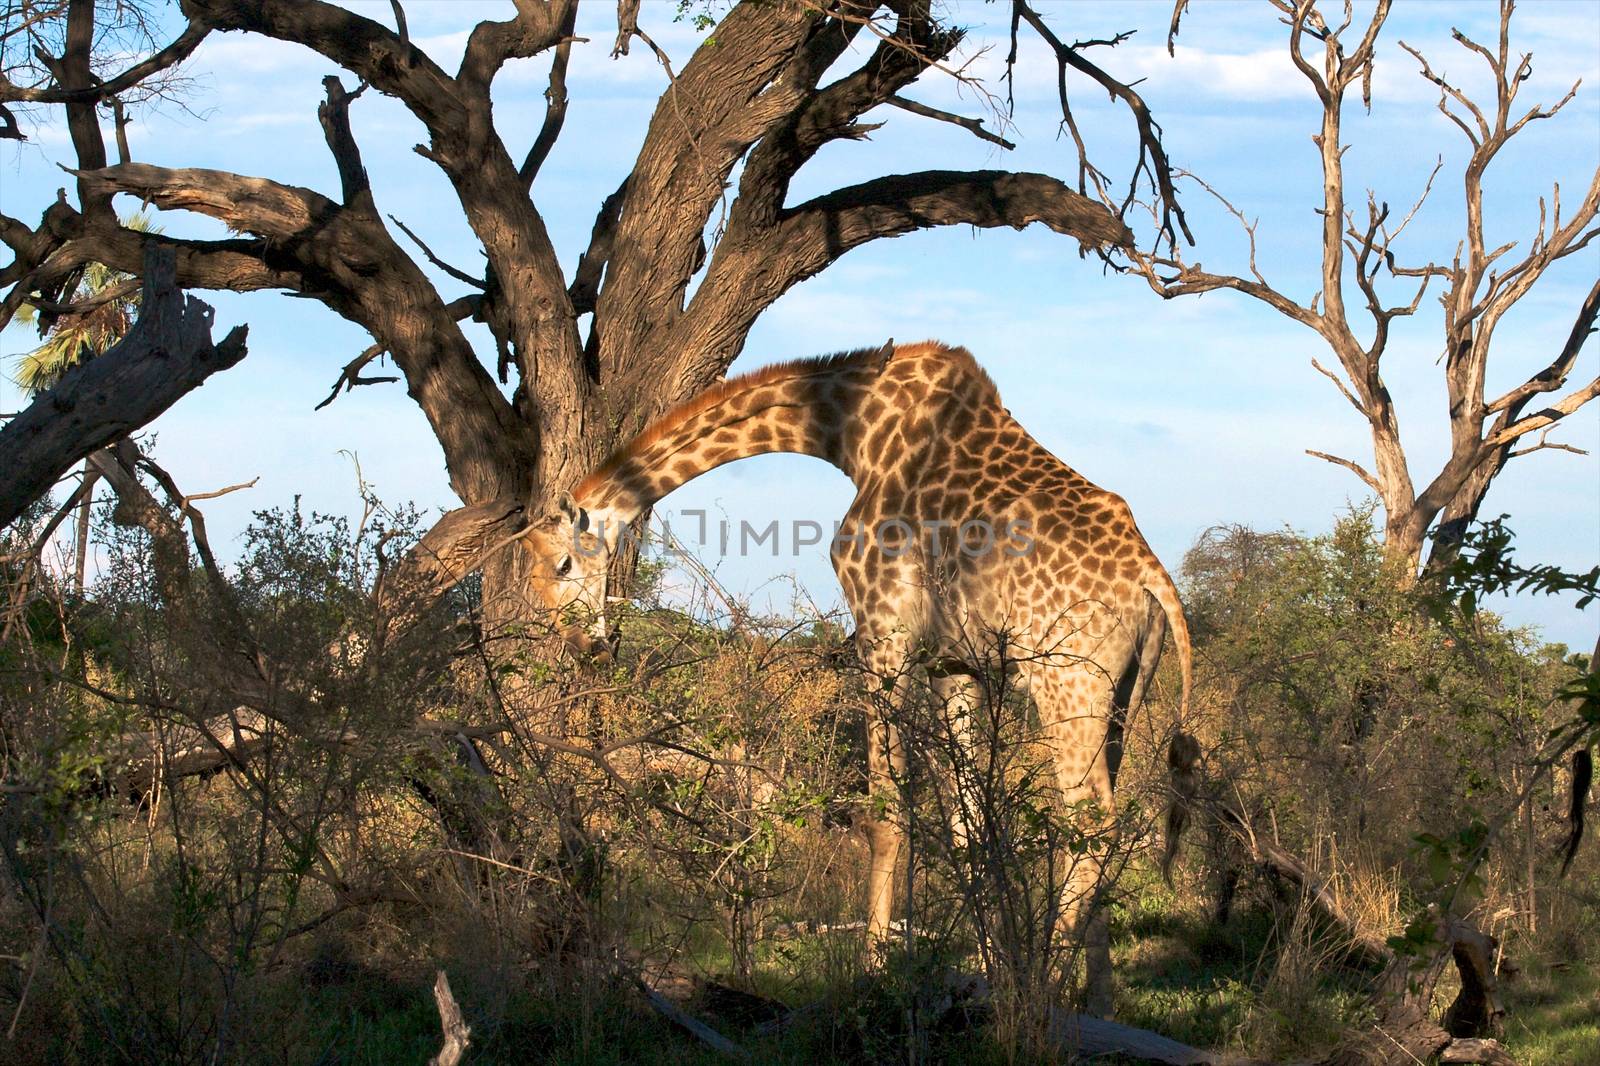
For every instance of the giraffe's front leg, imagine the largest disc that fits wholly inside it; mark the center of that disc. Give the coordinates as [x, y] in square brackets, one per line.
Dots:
[886, 832]
[886, 661]
[959, 697]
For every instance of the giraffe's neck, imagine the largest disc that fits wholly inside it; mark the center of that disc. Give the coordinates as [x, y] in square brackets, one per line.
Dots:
[815, 407]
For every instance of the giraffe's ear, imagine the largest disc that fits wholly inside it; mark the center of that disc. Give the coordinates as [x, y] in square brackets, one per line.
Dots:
[573, 514]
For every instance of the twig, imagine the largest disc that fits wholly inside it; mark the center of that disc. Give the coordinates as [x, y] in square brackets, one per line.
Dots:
[454, 272]
[183, 504]
[975, 125]
[1341, 387]
[1178, 8]
[1545, 444]
[1152, 158]
[33, 967]
[350, 376]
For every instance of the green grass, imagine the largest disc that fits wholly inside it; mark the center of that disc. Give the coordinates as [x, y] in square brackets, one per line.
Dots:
[1553, 1015]
[1177, 973]
[1231, 986]
[609, 1028]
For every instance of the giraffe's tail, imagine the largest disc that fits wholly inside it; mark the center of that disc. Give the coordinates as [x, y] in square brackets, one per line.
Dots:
[1165, 593]
[1183, 753]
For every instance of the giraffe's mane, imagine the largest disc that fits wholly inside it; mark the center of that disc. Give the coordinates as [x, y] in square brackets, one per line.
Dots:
[674, 418]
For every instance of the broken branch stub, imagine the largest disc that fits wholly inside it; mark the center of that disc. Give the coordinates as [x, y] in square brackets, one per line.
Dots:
[166, 354]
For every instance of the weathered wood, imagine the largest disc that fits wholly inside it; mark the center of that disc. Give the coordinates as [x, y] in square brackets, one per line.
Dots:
[1087, 1037]
[193, 751]
[456, 1031]
[343, 255]
[1487, 1052]
[1281, 863]
[688, 1023]
[1477, 1010]
[166, 355]
[1403, 1036]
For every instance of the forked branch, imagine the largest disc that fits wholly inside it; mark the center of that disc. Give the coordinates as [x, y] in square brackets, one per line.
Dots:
[1151, 164]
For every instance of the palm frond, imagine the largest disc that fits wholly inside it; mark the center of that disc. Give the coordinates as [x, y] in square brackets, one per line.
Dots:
[78, 335]
[41, 368]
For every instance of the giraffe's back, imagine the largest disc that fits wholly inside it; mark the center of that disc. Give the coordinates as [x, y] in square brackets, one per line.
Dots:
[1007, 536]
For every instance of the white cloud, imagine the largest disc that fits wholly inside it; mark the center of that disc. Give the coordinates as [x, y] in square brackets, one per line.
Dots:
[229, 55]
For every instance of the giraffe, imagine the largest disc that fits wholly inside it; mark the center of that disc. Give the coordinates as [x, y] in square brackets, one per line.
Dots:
[920, 430]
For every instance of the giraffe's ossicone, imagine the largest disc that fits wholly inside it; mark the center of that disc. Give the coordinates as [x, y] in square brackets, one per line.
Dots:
[967, 540]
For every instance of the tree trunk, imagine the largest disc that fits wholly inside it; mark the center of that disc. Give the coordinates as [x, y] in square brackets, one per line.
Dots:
[1404, 537]
[1462, 510]
[1530, 857]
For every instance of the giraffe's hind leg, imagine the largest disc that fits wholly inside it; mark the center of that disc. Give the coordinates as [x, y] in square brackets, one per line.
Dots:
[1091, 713]
[1076, 707]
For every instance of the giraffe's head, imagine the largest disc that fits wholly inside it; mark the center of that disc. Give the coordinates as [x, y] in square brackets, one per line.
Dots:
[570, 560]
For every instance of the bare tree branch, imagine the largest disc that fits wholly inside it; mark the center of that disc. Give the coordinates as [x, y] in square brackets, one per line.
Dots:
[347, 259]
[901, 203]
[454, 272]
[334, 115]
[253, 205]
[370, 50]
[350, 376]
[1340, 385]
[1178, 8]
[973, 125]
[555, 96]
[1152, 159]
[538, 25]
[1540, 419]
[176, 52]
[1545, 444]
[1354, 467]
[1554, 376]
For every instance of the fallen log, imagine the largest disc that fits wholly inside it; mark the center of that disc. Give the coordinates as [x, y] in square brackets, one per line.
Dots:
[1280, 863]
[1484, 1052]
[1084, 1037]
[1477, 1010]
[687, 1022]
[1404, 1033]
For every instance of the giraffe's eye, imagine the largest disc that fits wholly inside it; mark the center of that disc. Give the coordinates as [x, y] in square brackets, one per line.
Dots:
[565, 566]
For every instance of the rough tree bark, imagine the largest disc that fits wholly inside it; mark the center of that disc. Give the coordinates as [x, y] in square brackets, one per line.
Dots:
[561, 393]
[1480, 284]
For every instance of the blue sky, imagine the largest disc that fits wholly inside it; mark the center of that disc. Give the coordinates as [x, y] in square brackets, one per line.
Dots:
[1198, 411]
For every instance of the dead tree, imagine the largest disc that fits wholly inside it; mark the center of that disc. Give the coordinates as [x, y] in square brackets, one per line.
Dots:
[1479, 284]
[584, 357]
